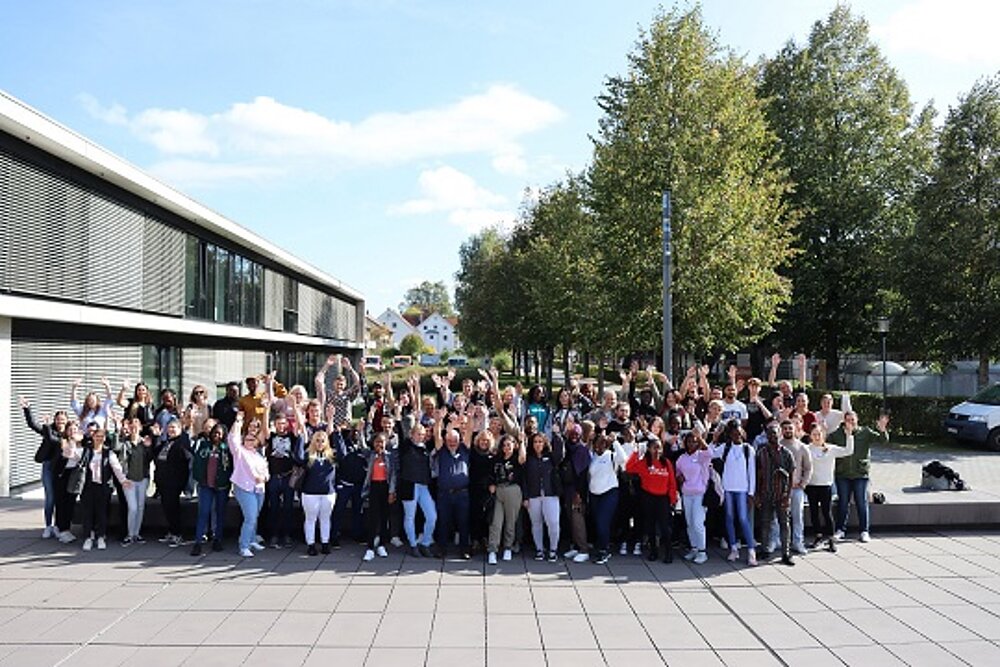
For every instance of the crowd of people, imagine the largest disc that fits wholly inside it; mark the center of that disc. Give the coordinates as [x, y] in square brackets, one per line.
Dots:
[647, 470]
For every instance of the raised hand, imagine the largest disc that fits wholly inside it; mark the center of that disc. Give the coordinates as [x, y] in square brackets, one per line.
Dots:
[882, 423]
[731, 372]
[24, 402]
[775, 359]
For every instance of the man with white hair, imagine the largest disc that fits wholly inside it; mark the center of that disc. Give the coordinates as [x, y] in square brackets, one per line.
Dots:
[451, 461]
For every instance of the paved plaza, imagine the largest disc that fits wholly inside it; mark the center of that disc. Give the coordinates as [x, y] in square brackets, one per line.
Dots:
[916, 599]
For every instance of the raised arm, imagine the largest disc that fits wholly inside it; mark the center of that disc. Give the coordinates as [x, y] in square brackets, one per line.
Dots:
[26, 408]
[109, 396]
[320, 380]
[772, 374]
[74, 404]
[122, 400]
[353, 379]
[706, 388]
[802, 371]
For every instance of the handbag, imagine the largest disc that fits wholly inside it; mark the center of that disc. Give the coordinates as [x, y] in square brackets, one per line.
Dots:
[296, 477]
[78, 476]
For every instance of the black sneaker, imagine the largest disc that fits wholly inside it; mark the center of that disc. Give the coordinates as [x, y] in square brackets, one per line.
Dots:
[653, 555]
[325, 548]
[335, 543]
[787, 560]
[669, 556]
[196, 549]
[312, 550]
[414, 552]
[138, 539]
[425, 551]
[831, 546]
[602, 557]
[216, 545]
[553, 557]
[539, 555]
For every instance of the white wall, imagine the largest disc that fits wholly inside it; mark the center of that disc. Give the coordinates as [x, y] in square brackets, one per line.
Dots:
[6, 363]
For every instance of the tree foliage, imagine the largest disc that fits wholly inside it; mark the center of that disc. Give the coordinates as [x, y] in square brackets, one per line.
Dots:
[685, 117]
[856, 154]
[951, 275]
[428, 298]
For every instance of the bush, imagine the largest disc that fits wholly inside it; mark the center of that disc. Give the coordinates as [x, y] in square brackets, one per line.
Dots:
[911, 415]
[502, 361]
[388, 353]
[412, 345]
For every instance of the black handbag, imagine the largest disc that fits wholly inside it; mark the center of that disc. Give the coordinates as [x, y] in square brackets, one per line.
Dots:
[78, 475]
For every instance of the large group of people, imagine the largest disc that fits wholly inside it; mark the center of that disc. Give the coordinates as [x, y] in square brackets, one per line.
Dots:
[481, 468]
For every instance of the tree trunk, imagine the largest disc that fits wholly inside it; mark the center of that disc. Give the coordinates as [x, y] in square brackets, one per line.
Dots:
[586, 363]
[538, 369]
[984, 369]
[832, 360]
[515, 363]
[600, 376]
[527, 366]
[567, 371]
[550, 354]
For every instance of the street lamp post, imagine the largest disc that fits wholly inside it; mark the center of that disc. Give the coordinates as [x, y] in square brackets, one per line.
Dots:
[883, 329]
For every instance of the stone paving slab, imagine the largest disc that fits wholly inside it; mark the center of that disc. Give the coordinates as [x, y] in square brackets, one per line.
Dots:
[919, 598]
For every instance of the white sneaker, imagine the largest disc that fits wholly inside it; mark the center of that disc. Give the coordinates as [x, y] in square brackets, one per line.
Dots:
[637, 549]
[66, 537]
[839, 535]
[623, 551]
[571, 554]
[734, 555]
[48, 532]
[701, 557]
[246, 553]
[690, 555]
[256, 546]
[751, 558]
[581, 557]
[492, 558]
[381, 552]
[865, 537]
[396, 542]
[369, 555]
[88, 544]
[723, 544]
[101, 544]
[506, 554]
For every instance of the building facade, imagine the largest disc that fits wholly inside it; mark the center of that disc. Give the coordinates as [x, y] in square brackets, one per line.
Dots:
[437, 331]
[106, 272]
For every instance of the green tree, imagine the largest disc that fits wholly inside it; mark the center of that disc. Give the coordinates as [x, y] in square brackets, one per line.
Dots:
[487, 293]
[686, 117]
[412, 344]
[428, 297]
[951, 273]
[856, 154]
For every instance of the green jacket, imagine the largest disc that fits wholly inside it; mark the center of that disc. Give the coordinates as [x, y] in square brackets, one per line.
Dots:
[134, 457]
[857, 465]
[199, 463]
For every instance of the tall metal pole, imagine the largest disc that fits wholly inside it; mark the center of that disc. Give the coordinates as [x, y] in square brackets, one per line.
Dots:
[668, 315]
[885, 385]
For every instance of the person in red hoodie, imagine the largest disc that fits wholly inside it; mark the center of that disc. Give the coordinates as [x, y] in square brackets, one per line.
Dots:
[659, 495]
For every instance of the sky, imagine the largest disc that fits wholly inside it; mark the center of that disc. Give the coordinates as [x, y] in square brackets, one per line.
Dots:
[372, 137]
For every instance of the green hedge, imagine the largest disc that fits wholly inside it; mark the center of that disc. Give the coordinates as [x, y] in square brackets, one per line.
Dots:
[911, 415]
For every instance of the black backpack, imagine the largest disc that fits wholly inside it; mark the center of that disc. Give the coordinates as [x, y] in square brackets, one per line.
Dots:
[720, 464]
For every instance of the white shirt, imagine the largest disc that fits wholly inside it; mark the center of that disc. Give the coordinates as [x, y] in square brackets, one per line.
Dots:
[602, 472]
[739, 475]
[823, 461]
[735, 410]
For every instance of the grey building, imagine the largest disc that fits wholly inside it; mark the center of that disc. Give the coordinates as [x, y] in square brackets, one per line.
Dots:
[104, 271]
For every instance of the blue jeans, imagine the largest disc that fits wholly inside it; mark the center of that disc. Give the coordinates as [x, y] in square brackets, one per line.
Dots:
[603, 507]
[453, 508]
[736, 510]
[421, 498]
[280, 499]
[347, 492]
[250, 504]
[859, 489]
[49, 484]
[207, 499]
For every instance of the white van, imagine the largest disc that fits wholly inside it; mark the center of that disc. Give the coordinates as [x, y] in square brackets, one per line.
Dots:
[977, 419]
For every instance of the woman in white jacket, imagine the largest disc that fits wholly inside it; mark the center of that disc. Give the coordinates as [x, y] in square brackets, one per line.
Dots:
[606, 458]
[819, 489]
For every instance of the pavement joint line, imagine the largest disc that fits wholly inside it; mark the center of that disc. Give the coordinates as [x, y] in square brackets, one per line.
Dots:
[107, 627]
[635, 615]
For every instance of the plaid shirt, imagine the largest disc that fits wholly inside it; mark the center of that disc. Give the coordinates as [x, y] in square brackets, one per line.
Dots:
[775, 467]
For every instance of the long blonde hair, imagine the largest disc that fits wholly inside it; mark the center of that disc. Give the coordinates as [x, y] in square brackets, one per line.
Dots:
[314, 452]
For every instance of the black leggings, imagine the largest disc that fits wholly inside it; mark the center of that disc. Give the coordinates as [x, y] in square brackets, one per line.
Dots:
[170, 500]
[377, 514]
[820, 504]
[657, 512]
[65, 501]
[94, 501]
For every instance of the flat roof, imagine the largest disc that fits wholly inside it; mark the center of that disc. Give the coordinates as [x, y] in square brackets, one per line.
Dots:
[30, 125]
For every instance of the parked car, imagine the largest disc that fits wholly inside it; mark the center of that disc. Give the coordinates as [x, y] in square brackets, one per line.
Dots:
[977, 419]
[373, 362]
[458, 361]
[402, 361]
[430, 359]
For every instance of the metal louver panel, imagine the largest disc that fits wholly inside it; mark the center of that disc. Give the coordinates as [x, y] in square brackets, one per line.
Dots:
[47, 219]
[163, 268]
[198, 368]
[323, 324]
[43, 371]
[114, 254]
[6, 224]
[307, 306]
[274, 300]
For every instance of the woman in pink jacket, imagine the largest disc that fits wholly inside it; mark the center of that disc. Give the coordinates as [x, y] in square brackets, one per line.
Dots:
[693, 475]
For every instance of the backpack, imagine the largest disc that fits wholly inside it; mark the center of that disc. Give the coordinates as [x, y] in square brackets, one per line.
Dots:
[720, 464]
[938, 477]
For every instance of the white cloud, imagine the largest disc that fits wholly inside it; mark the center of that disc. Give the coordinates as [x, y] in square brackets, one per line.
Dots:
[195, 173]
[958, 31]
[467, 204]
[264, 128]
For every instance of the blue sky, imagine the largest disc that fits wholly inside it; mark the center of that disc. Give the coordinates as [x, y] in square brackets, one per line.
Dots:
[372, 137]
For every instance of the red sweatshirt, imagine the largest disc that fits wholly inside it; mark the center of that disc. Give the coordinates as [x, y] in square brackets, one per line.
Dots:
[657, 478]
